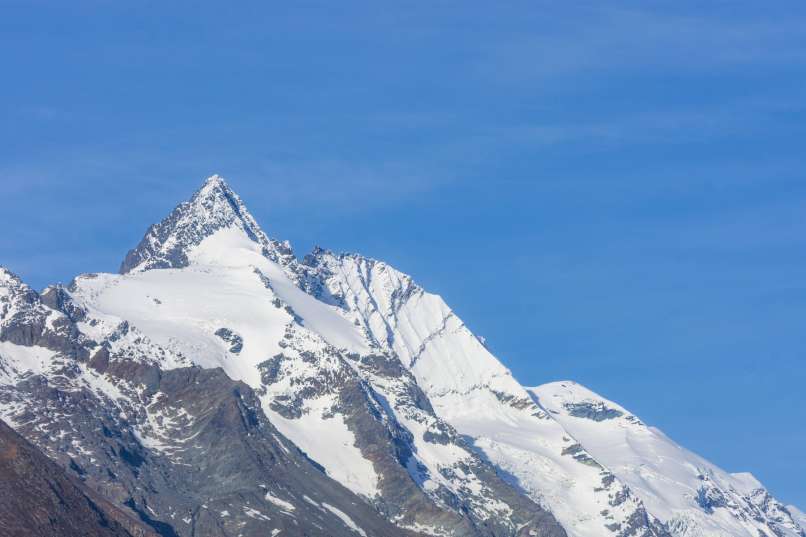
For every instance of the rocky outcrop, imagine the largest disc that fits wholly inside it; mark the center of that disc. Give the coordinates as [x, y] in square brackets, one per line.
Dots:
[38, 498]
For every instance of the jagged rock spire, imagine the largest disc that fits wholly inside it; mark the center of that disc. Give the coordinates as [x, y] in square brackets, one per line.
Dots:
[213, 207]
[13, 292]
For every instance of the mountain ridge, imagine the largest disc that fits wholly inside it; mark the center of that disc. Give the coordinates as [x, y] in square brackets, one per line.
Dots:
[426, 430]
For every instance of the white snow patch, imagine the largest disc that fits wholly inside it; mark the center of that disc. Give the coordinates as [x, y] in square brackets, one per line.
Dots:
[344, 518]
[279, 502]
[254, 513]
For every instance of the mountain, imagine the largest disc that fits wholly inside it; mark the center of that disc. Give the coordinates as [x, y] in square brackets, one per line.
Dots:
[207, 338]
[691, 495]
[218, 385]
[39, 499]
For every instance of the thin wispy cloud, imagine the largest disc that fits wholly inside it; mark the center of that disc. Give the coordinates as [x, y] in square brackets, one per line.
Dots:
[740, 117]
[612, 39]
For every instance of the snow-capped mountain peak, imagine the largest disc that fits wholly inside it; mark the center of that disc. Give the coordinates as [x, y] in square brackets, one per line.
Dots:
[213, 208]
[215, 352]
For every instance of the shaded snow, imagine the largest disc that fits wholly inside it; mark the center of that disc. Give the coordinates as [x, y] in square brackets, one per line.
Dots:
[329, 442]
[23, 360]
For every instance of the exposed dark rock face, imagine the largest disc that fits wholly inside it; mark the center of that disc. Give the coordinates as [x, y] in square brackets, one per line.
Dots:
[25, 319]
[235, 341]
[39, 499]
[710, 498]
[596, 411]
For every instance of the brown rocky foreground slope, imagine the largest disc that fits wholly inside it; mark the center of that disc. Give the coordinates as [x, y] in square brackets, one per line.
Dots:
[38, 499]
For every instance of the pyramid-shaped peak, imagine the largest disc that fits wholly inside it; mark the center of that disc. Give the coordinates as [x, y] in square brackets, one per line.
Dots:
[215, 206]
[216, 203]
[215, 185]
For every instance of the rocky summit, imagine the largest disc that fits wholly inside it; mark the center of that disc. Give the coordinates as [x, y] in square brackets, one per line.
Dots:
[221, 386]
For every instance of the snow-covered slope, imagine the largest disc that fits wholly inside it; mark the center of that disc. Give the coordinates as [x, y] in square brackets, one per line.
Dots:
[470, 389]
[693, 496]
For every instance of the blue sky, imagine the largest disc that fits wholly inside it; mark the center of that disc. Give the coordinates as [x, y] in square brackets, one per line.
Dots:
[613, 194]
